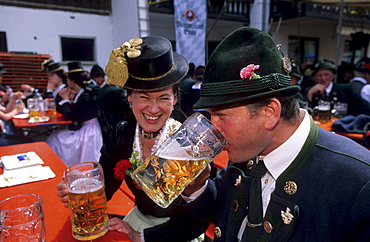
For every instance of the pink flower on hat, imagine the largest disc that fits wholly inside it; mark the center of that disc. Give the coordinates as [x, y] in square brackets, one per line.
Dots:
[247, 72]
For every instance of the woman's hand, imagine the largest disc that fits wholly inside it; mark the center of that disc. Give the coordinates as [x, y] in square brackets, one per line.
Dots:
[62, 188]
[64, 93]
[124, 227]
[18, 95]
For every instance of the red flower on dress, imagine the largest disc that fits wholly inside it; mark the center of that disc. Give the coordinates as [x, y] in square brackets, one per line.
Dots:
[247, 72]
[121, 168]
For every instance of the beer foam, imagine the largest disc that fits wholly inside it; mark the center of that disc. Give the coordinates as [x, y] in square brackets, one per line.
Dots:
[84, 185]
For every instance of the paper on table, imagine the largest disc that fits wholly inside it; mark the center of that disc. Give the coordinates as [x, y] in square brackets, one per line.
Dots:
[21, 160]
[25, 175]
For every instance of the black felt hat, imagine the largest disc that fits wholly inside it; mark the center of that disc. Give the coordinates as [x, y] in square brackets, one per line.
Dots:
[246, 67]
[2, 68]
[75, 66]
[363, 65]
[46, 63]
[54, 67]
[324, 64]
[96, 71]
[146, 63]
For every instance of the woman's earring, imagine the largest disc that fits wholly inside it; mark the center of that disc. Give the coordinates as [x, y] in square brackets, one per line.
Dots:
[130, 104]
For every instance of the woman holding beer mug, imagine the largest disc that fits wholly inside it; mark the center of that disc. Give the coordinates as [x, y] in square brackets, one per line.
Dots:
[151, 73]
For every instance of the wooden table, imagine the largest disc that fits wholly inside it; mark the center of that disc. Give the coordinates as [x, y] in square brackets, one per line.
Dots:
[57, 221]
[23, 122]
[221, 161]
[327, 126]
[35, 130]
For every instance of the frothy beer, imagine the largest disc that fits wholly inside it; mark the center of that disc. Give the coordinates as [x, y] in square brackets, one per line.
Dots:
[164, 179]
[89, 209]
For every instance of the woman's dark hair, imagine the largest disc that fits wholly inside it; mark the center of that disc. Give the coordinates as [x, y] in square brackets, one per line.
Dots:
[80, 78]
[175, 89]
[62, 76]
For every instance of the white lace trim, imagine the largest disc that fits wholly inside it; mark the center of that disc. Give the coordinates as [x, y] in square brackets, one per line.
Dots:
[170, 127]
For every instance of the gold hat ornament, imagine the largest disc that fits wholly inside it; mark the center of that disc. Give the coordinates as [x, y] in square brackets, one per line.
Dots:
[146, 63]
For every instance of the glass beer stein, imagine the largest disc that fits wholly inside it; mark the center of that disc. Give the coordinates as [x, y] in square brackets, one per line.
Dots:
[22, 219]
[179, 160]
[87, 200]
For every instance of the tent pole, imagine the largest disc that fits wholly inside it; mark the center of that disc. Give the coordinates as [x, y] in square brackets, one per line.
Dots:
[339, 30]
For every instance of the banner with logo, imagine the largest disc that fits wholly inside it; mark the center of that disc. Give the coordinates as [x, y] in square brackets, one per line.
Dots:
[190, 25]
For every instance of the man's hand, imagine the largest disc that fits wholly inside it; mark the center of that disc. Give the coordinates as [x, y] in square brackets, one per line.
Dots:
[317, 88]
[199, 182]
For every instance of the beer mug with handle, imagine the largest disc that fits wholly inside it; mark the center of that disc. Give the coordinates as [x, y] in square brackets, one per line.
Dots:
[179, 160]
[87, 200]
[22, 219]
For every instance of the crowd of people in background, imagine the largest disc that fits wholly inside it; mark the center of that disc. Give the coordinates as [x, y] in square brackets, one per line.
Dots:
[349, 83]
[116, 119]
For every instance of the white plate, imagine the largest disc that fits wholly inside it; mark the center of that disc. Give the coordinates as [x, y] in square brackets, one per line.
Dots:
[22, 115]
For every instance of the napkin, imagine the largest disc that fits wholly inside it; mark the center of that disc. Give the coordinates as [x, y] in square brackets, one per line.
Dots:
[25, 175]
[23, 168]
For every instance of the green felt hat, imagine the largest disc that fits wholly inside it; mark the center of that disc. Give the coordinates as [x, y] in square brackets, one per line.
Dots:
[324, 64]
[226, 79]
[295, 69]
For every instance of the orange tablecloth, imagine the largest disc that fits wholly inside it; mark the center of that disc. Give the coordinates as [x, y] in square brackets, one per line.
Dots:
[57, 221]
[328, 125]
[222, 160]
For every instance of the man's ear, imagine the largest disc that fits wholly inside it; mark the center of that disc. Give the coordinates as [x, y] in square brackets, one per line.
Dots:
[272, 114]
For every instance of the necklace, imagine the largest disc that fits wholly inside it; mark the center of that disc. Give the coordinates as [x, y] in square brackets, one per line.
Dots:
[149, 135]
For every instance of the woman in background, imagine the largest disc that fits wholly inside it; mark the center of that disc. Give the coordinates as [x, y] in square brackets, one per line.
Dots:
[83, 139]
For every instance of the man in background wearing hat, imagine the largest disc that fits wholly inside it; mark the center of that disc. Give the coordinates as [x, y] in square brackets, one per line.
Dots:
[288, 179]
[362, 77]
[326, 89]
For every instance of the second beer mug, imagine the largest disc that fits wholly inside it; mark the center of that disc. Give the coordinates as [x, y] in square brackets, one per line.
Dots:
[87, 200]
[179, 160]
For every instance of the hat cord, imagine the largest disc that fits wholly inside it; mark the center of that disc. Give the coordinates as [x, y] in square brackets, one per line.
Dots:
[273, 81]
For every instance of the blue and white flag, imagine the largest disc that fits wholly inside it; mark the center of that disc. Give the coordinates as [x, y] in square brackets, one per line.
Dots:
[190, 25]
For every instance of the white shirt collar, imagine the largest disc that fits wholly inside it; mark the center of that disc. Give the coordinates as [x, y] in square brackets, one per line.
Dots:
[78, 95]
[279, 159]
[360, 79]
[329, 88]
